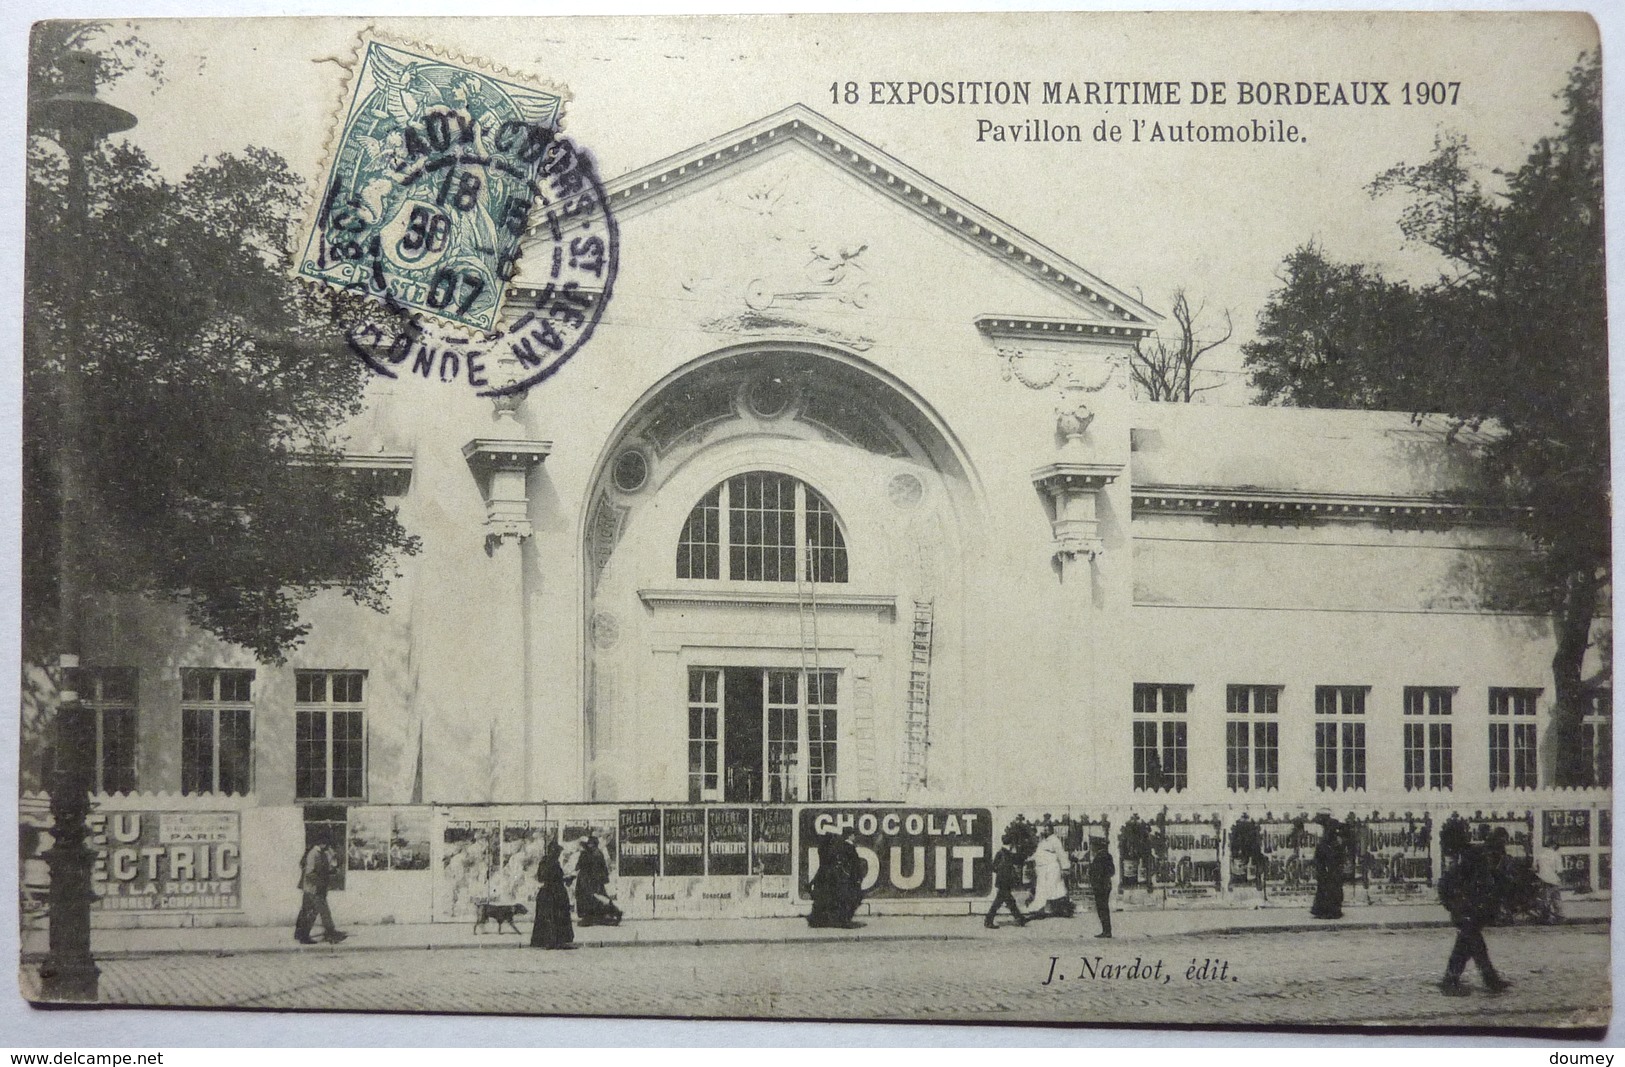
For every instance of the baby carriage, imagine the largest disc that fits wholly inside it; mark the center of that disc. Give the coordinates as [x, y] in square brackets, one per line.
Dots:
[1528, 898]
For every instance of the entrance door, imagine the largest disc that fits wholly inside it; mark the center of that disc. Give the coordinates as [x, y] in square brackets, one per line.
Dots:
[742, 734]
[760, 734]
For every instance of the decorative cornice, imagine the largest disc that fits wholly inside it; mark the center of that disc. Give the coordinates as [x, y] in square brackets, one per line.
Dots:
[1026, 326]
[490, 453]
[1283, 507]
[896, 180]
[1057, 477]
[728, 596]
[389, 473]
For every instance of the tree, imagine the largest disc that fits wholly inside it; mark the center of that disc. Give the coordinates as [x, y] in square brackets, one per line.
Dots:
[1163, 369]
[214, 388]
[1511, 337]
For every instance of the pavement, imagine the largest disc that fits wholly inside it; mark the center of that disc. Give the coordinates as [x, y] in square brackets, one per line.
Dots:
[1128, 925]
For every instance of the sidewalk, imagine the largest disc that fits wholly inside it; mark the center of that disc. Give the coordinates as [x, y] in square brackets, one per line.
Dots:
[1127, 926]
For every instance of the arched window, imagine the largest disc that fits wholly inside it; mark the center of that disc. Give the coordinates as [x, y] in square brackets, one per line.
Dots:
[762, 527]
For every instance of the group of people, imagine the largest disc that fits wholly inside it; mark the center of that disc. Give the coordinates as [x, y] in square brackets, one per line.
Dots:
[594, 905]
[837, 886]
[1050, 898]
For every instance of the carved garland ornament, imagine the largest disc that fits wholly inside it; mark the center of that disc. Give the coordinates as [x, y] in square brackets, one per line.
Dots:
[1029, 370]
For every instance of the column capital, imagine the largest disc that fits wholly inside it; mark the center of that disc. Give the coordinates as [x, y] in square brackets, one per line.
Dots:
[1072, 487]
[501, 466]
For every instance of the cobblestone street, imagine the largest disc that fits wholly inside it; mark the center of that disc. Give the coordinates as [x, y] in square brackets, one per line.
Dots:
[1336, 977]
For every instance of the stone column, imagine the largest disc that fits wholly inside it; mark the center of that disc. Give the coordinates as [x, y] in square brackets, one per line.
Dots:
[503, 465]
[1071, 486]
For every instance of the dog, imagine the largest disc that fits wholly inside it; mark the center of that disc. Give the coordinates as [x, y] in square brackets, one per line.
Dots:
[502, 913]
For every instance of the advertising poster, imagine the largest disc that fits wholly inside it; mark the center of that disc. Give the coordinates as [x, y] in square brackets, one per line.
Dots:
[409, 839]
[1188, 865]
[1565, 828]
[727, 849]
[370, 833]
[1395, 860]
[908, 852]
[519, 854]
[770, 846]
[683, 842]
[166, 861]
[640, 842]
[468, 858]
[1289, 850]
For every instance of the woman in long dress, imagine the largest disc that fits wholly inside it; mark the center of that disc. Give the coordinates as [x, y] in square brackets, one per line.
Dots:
[825, 884]
[552, 927]
[1328, 867]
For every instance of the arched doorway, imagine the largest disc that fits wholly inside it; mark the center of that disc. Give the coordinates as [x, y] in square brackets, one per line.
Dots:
[773, 607]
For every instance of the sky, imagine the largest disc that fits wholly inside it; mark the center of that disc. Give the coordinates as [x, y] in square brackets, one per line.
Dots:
[1214, 219]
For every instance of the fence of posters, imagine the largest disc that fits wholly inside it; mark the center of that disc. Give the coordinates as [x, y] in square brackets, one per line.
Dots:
[419, 863]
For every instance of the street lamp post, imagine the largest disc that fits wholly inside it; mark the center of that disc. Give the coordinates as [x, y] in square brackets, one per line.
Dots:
[69, 971]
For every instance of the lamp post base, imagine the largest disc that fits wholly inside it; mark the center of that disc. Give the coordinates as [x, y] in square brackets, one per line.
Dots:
[75, 981]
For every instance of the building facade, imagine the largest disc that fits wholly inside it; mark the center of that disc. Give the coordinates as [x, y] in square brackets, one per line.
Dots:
[848, 502]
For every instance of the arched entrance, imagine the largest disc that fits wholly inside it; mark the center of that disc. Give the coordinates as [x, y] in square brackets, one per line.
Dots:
[773, 602]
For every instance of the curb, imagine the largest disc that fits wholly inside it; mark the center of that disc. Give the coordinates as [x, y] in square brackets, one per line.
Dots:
[848, 938]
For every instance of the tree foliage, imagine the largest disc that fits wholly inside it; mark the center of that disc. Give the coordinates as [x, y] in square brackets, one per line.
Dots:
[1163, 368]
[213, 389]
[1512, 336]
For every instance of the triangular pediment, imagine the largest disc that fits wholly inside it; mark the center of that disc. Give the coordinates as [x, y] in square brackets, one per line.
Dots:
[806, 130]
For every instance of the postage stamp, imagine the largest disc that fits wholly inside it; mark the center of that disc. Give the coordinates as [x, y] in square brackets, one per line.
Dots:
[440, 173]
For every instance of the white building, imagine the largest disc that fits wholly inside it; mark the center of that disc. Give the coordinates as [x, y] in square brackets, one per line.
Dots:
[848, 500]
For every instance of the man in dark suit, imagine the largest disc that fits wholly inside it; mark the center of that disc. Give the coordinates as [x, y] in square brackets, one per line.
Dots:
[1101, 872]
[1007, 866]
[1471, 891]
[315, 877]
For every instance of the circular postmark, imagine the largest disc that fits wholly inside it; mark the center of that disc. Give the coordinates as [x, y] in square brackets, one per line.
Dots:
[454, 202]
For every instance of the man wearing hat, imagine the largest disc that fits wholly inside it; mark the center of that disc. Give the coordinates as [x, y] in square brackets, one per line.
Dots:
[1101, 872]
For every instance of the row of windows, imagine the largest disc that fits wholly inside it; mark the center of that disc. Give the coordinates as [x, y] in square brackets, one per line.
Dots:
[1253, 745]
[217, 731]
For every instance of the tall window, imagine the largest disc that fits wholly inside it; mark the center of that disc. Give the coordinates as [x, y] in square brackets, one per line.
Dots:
[1597, 736]
[217, 736]
[1159, 737]
[1252, 740]
[704, 738]
[110, 695]
[1427, 737]
[1340, 737]
[330, 748]
[1512, 739]
[762, 527]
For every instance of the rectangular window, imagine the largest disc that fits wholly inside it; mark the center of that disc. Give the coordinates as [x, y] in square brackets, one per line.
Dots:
[1159, 737]
[783, 702]
[1252, 737]
[704, 711]
[1513, 763]
[821, 731]
[109, 697]
[329, 735]
[1427, 741]
[1597, 736]
[1340, 737]
[216, 731]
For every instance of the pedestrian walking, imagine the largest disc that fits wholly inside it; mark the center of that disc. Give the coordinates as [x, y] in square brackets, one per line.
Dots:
[1006, 877]
[315, 878]
[1471, 891]
[1101, 872]
[1328, 869]
[595, 906]
[552, 926]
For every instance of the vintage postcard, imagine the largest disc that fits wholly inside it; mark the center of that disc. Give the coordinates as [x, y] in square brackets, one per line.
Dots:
[795, 517]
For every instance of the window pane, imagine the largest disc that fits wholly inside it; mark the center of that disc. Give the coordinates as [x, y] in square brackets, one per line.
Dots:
[347, 687]
[197, 684]
[1236, 771]
[310, 754]
[310, 687]
[117, 683]
[197, 750]
[1267, 755]
[235, 686]
[236, 750]
[118, 750]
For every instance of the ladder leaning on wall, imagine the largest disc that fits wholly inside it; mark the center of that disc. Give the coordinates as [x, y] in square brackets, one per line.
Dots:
[917, 728]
